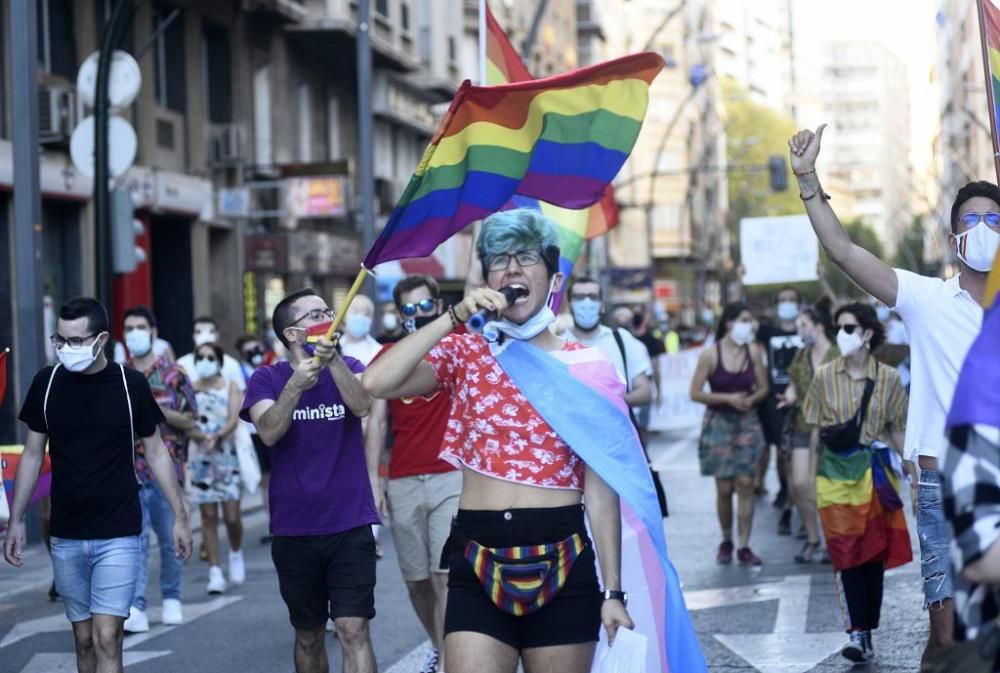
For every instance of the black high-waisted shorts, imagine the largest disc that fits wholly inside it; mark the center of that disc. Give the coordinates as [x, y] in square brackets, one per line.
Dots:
[573, 616]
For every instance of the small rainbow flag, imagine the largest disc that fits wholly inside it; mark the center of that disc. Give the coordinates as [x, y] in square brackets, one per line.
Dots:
[10, 456]
[561, 139]
[503, 65]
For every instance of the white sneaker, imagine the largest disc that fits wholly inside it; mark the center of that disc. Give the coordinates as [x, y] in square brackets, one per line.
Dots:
[430, 664]
[216, 581]
[237, 571]
[137, 621]
[172, 613]
[331, 627]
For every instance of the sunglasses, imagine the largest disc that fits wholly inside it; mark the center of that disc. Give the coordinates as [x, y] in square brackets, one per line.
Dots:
[992, 220]
[410, 309]
[849, 329]
[209, 358]
[524, 258]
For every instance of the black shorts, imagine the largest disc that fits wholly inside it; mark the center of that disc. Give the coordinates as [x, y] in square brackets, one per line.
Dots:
[263, 457]
[573, 616]
[322, 576]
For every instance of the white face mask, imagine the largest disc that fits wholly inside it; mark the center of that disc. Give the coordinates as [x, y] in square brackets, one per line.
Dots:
[742, 333]
[138, 342]
[206, 369]
[849, 343]
[390, 322]
[978, 246]
[79, 359]
[586, 313]
[205, 337]
[526, 331]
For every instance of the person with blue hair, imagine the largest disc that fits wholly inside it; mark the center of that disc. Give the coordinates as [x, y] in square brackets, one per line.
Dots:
[520, 512]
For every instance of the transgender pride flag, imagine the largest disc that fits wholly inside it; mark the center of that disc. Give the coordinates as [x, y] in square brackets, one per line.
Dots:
[579, 394]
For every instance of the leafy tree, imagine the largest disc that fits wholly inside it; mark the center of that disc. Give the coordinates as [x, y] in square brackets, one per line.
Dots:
[910, 251]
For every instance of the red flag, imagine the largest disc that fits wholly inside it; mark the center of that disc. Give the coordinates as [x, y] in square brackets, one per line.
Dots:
[3, 373]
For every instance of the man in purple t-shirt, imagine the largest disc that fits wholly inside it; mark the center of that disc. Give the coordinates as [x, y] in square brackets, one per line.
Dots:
[308, 412]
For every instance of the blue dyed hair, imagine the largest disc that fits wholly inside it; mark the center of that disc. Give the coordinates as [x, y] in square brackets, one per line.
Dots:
[518, 229]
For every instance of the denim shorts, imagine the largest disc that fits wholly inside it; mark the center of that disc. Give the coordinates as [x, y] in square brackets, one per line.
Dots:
[96, 576]
[932, 529]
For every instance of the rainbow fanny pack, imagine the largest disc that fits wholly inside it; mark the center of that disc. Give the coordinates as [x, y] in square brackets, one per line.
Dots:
[520, 580]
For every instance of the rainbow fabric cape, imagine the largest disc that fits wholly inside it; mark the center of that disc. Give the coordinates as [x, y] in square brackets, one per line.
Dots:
[991, 30]
[857, 494]
[579, 394]
[977, 394]
[503, 65]
[10, 456]
[561, 139]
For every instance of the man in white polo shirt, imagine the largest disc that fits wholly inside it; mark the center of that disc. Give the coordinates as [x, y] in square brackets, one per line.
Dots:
[943, 318]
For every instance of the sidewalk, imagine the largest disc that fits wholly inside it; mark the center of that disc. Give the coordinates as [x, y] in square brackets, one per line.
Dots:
[36, 574]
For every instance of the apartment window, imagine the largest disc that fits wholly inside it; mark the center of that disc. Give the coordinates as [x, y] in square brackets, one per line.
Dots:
[262, 116]
[382, 8]
[304, 122]
[168, 60]
[404, 16]
[56, 39]
[217, 53]
[333, 128]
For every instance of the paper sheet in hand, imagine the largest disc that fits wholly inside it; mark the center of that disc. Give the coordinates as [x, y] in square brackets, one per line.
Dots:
[626, 655]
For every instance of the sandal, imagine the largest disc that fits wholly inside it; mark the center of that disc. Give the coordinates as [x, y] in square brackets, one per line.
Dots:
[806, 555]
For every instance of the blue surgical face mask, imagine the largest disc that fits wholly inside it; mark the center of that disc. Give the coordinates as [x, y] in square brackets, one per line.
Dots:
[586, 313]
[787, 311]
[883, 313]
[138, 342]
[206, 369]
[358, 325]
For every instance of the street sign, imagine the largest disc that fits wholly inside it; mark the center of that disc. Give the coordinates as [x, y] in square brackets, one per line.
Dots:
[122, 146]
[124, 80]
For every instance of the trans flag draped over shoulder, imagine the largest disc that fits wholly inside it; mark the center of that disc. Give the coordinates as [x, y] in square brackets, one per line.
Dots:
[579, 394]
[561, 140]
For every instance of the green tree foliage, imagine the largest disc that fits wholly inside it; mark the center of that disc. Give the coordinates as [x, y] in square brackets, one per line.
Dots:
[910, 252]
[842, 287]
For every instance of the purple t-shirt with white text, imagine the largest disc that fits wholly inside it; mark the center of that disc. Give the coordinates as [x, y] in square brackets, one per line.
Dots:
[319, 479]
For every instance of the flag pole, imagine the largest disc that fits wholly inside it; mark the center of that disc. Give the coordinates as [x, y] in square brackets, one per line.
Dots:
[351, 294]
[989, 86]
[482, 42]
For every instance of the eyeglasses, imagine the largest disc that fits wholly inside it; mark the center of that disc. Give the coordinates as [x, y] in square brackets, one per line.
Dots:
[849, 329]
[992, 220]
[73, 342]
[593, 296]
[410, 309]
[524, 258]
[316, 315]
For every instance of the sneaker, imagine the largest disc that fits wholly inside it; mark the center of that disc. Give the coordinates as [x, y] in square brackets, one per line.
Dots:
[237, 571]
[781, 499]
[867, 646]
[854, 650]
[825, 558]
[137, 621]
[430, 664]
[216, 581]
[53, 594]
[785, 523]
[808, 553]
[725, 555]
[331, 627]
[746, 557]
[802, 534]
[173, 615]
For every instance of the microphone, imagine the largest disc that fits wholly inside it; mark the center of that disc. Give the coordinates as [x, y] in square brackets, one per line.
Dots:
[478, 319]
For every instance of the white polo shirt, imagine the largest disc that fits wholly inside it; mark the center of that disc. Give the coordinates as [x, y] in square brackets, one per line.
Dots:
[943, 320]
[635, 351]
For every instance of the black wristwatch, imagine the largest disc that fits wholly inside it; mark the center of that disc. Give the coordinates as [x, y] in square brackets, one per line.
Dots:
[612, 595]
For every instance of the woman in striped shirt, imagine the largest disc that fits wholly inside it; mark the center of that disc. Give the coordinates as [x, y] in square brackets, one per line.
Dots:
[854, 405]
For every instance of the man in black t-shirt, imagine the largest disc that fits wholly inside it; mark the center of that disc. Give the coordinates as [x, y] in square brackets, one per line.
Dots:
[89, 410]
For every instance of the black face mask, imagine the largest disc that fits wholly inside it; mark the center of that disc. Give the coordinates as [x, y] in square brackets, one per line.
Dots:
[411, 325]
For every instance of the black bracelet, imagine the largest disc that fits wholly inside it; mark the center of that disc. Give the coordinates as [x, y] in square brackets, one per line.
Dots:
[819, 190]
[454, 318]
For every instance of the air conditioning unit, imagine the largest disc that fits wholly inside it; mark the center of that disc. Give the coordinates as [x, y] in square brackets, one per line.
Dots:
[227, 145]
[56, 114]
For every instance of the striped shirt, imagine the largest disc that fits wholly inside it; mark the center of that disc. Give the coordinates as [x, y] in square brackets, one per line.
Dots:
[834, 397]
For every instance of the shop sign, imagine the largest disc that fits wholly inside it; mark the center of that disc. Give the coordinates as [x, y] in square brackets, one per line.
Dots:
[315, 197]
[180, 193]
[234, 202]
[250, 307]
[266, 252]
[323, 253]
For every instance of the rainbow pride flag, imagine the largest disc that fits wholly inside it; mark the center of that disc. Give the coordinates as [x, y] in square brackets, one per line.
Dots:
[579, 394]
[503, 65]
[10, 456]
[990, 17]
[561, 139]
[857, 494]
